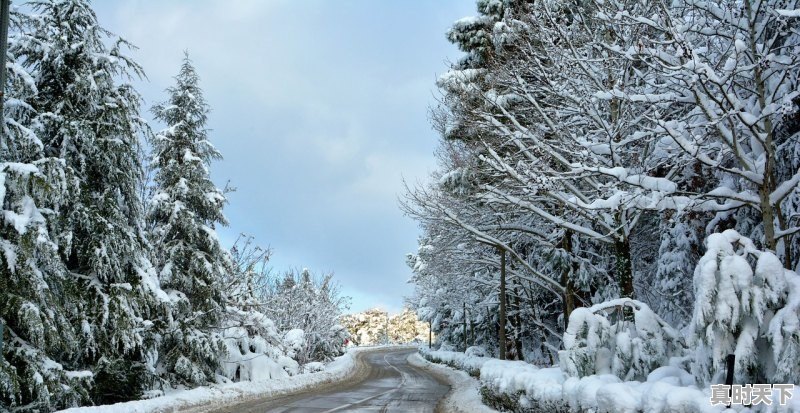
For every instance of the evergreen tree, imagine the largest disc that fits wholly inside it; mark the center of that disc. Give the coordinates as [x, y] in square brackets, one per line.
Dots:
[183, 212]
[92, 123]
[34, 368]
[678, 252]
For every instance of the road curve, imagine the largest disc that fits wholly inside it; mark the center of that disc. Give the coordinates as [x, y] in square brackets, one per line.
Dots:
[391, 385]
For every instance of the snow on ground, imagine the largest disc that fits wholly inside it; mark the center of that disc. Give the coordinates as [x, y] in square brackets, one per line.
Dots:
[668, 389]
[465, 394]
[471, 363]
[208, 397]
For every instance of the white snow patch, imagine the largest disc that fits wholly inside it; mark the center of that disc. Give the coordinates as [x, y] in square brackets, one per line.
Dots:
[210, 397]
[789, 13]
[464, 396]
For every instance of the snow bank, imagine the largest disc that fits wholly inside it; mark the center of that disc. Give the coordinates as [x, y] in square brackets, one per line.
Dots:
[470, 363]
[465, 393]
[525, 384]
[522, 387]
[210, 397]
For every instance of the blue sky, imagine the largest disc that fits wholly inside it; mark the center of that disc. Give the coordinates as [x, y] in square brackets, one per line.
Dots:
[320, 110]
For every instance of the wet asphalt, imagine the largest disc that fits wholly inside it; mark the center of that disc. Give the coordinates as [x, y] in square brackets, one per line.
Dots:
[392, 385]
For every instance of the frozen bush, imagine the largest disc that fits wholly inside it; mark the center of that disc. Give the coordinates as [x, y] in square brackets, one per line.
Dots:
[601, 340]
[748, 305]
[476, 351]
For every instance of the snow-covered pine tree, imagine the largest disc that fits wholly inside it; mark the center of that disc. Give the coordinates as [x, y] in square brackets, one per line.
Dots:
[677, 254]
[35, 365]
[184, 210]
[92, 122]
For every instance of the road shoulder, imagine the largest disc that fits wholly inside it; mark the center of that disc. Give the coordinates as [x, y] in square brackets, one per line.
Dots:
[350, 368]
[464, 395]
[359, 373]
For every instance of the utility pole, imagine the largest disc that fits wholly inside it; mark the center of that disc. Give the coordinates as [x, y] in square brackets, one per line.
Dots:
[430, 335]
[502, 335]
[4, 6]
[387, 327]
[464, 316]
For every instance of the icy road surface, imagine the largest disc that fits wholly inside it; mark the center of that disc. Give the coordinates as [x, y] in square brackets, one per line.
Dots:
[391, 385]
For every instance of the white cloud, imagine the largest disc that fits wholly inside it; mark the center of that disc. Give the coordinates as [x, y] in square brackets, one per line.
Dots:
[383, 174]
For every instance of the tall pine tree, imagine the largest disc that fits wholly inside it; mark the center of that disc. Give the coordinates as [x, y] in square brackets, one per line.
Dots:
[35, 367]
[92, 122]
[184, 210]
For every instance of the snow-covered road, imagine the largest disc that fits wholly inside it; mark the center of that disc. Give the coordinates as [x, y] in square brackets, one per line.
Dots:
[391, 385]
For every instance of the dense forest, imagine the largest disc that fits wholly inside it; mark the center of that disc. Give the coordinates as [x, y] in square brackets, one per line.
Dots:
[113, 283]
[598, 150]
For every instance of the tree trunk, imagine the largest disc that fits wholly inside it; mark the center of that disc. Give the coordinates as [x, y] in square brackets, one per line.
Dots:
[624, 271]
[517, 325]
[464, 316]
[430, 334]
[472, 331]
[622, 250]
[624, 266]
[566, 279]
[502, 317]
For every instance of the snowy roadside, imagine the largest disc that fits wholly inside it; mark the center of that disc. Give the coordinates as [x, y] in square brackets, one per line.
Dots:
[207, 398]
[464, 397]
[522, 387]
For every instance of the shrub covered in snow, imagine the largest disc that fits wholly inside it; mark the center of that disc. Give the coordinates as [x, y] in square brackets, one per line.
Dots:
[313, 367]
[253, 348]
[746, 304]
[476, 351]
[294, 340]
[602, 340]
[520, 386]
[470, 363]
[312, 305]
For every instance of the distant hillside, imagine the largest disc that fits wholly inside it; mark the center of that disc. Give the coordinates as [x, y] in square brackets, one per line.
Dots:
[376, 326]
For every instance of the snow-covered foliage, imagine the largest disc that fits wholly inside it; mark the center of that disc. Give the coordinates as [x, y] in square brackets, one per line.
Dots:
[405, 327]
[35, 367]
[252, 348]
[306, 311]
[748, 305]
[588, 148]
[467, 361]
[85, 318]
[615, 360]
[88, 121]
[183, 211]
[223, 395]
[377, 326]
[369, 327]
[522, 387]
[622, 337]
[676, 256]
